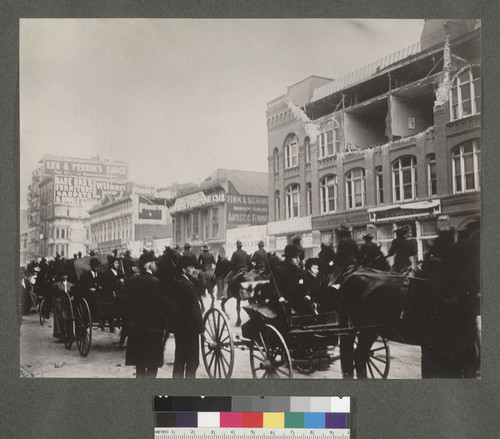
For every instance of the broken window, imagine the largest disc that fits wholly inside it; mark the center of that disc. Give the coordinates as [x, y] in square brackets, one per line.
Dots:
[355, 189]
[292, 201]
[328, 193]
[291, 152]
[466, 166]
[465, 94]
[404, 178]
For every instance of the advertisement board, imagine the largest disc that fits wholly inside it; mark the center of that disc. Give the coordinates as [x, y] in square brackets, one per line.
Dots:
[149, 210]
[247, 209]
[72, 190]
[85, 168]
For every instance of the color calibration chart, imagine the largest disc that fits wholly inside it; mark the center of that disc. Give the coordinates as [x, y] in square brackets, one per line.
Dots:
[242, 417]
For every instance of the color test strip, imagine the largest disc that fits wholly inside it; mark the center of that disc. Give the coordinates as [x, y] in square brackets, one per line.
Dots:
[309, 420]
[242, 404]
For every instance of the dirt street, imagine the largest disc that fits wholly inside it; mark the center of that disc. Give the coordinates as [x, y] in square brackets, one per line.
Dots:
[41, 356]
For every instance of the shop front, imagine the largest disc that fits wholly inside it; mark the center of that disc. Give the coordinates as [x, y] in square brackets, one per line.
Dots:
[281, 233]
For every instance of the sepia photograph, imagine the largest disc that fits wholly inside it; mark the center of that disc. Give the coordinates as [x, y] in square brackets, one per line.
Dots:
[250, 198]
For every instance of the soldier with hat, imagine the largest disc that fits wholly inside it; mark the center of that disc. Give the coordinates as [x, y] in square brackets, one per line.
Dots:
[404, 252]
[144, 320]
[189, 253]
[188, 322]
[259, 257]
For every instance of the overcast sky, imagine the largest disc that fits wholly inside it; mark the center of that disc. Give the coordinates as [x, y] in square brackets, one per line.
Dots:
[177, 99]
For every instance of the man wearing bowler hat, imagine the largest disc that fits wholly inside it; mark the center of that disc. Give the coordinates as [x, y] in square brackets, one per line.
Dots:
[144, 320]
[187, 324]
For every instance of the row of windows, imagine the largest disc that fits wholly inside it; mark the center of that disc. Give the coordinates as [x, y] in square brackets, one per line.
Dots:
[465, 168]
[209, 225]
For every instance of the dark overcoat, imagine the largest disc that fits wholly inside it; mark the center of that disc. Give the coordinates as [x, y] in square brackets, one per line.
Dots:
[186, 313]
[144, 319]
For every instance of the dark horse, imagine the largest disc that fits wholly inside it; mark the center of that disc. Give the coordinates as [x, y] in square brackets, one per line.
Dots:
[244, 275]
[395, 306]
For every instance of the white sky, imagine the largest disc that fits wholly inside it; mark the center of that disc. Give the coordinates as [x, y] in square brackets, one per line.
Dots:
[177, 98]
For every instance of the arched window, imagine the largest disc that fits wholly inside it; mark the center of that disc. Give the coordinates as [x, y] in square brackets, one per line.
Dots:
[292, 201]
[276, 163]
[328, 193]
[355, 189]
[404, 179]
[307, 147]
[291, 151]
[277, 205]
[379, 183]
[466, 166]
[465, 93]
[431, 175]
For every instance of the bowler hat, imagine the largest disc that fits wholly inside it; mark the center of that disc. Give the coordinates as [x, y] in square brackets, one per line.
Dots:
[368, 237]
[205, 247]
[291, 251]
[239, 244]
[146, 257]
[344, 228]
[261, 244]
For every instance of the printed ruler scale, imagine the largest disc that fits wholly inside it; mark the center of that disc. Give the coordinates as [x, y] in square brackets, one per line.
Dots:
[250, 433]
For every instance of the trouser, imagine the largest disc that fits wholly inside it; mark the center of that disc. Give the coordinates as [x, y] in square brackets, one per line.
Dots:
[145, 372]
[187, 360]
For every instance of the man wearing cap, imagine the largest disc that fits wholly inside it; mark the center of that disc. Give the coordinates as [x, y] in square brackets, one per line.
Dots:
[259, 257]
[189, 254]
[187, 323]
[404, 252]
[144, 320]
[240, 258]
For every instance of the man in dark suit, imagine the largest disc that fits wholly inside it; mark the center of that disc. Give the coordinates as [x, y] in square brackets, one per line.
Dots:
[91, 282]
[240, 258]
[189, 254]
[259, 258]
[114, 281]
[188, 323]
[144, 320]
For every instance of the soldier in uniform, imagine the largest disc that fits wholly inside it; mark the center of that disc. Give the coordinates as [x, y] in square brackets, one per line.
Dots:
[189, 254]
[259, 258]
[404, 252]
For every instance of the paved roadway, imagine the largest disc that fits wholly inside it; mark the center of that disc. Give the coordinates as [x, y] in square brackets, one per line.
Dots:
[41, 356]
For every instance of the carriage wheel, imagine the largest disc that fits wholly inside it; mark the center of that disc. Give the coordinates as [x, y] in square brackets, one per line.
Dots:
[67, 321]
[269, 355]
[377, 366]
[83, 327]
[217, 345]
[41, 312]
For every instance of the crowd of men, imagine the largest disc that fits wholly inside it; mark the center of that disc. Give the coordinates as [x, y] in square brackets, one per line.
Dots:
[162, 295]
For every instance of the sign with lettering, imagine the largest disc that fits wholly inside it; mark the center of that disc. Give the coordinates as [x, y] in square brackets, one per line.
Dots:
[292, 225]
[73, 191]
[149, 210]
[249, 237]
[197, 199]
[85, 168]
[109, 187]
[419, 209]
[247, 209]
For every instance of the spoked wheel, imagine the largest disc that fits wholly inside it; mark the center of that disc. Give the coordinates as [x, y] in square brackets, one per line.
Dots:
[83, 327]
[377, 366]
[217, 345]
[269, 355]
[67, 321]
[42, 312]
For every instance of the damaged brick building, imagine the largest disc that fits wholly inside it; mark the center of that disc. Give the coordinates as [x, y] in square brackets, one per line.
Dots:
[395, 143]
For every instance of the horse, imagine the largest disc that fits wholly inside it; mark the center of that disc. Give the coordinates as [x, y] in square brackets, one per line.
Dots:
[247, 275]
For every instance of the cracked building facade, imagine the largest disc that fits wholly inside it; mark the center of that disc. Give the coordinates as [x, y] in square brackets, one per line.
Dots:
[395, 143]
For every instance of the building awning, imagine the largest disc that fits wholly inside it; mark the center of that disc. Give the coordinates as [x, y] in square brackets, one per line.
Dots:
[398, 212]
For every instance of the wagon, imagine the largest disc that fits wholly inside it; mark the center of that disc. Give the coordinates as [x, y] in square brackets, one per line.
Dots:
[82, 311]
[279, 343]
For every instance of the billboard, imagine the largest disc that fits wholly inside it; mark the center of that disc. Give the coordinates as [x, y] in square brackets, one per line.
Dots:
[108, 187]
[85, 168]
[149, 210]
[72, 190]
[247, 209]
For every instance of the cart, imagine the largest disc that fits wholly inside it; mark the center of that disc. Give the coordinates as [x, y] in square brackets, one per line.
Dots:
[278, 342]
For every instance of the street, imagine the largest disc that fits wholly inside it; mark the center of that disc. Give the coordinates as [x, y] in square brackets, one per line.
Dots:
[41, 356]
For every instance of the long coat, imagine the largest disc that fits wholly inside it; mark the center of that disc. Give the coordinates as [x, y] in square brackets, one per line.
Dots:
[144, 318]
[187, 318]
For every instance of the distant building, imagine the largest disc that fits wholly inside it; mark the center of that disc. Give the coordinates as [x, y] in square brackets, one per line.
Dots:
[61, 192]
[395, 143]
[227, 199]
[134, 220]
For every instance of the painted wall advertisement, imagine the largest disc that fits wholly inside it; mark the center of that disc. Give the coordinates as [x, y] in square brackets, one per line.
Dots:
[149, 210]
[249, 237]
[247, 209]
[72, 190]
[83, 168]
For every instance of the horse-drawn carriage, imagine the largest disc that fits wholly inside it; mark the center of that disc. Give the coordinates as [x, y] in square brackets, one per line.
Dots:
[278, 342]
[83, 310]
